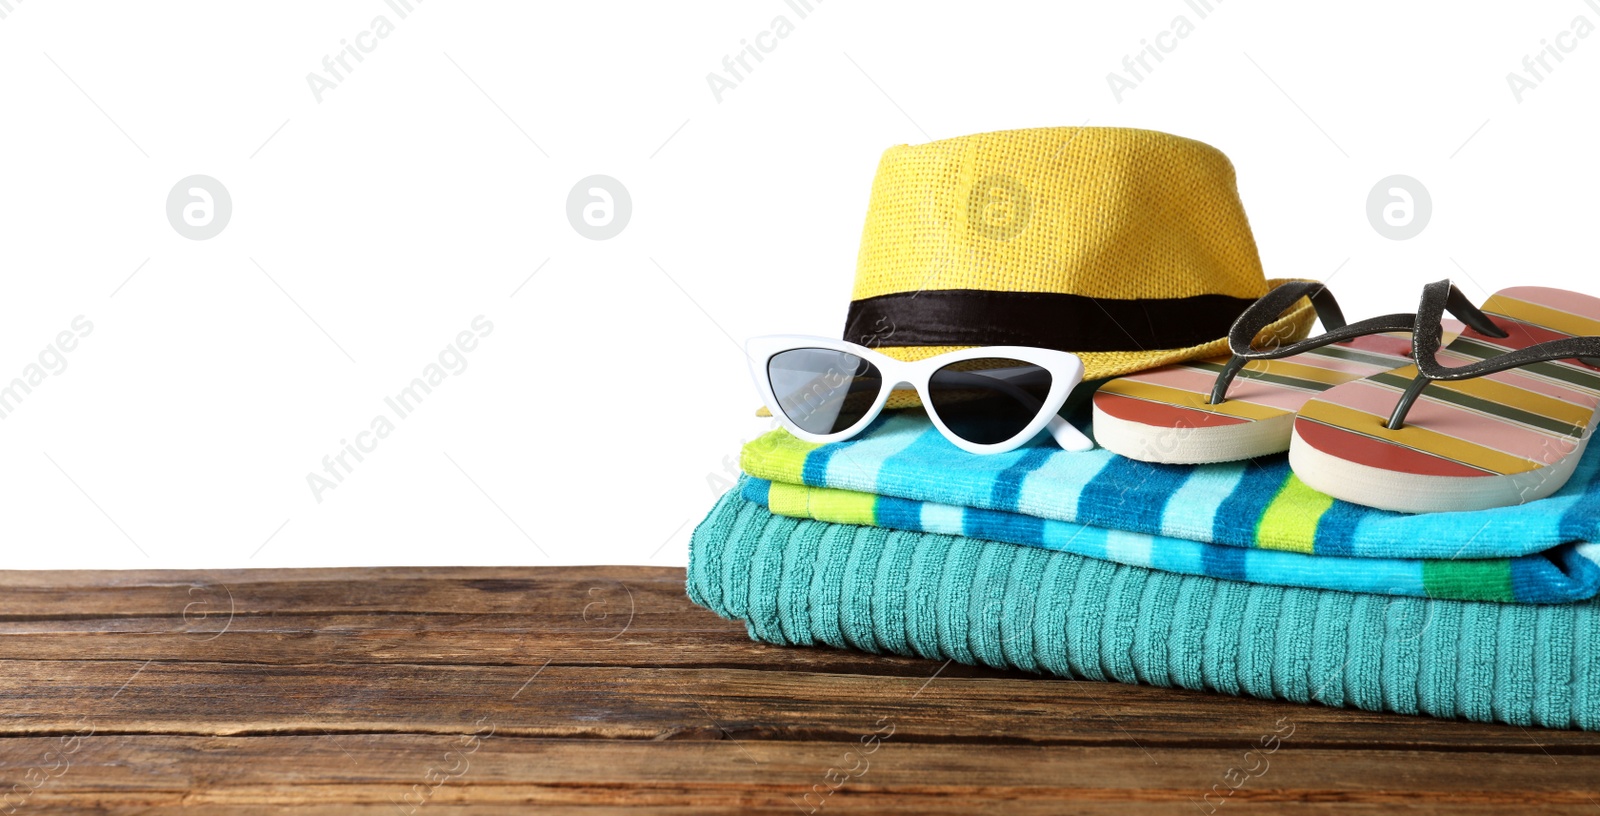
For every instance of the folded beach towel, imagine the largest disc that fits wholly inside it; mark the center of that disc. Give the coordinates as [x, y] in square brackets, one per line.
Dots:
[1561, 574]
[796, 582]
[1256, 503]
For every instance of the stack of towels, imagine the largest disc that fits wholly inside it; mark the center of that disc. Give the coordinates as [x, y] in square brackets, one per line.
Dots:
[1232, 577]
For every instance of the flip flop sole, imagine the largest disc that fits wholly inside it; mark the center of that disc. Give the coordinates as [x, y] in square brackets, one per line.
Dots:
[1505, 438]
[1197, 438]
[1416, 492]
[1164, 415]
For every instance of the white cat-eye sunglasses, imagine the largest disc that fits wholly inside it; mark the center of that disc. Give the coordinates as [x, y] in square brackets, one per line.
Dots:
[989, 399]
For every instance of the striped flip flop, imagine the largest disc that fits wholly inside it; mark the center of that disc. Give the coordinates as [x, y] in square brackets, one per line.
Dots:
[1243, 406]
[1505, 425]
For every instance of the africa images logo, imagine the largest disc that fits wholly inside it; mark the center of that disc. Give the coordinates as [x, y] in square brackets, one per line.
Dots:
[1538, 66]
[999, 208]
[337, 65]
[737, 65]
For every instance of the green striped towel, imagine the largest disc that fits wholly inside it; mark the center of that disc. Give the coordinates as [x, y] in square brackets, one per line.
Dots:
[1248, 521]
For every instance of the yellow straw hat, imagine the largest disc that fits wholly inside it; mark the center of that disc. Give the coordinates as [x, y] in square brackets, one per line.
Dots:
[1129, 248]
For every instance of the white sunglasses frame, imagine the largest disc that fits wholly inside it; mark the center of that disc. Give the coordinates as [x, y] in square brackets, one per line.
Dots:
[1066, 372]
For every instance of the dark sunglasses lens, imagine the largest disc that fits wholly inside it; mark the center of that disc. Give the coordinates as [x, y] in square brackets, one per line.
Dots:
[821, 390]
[988, 400]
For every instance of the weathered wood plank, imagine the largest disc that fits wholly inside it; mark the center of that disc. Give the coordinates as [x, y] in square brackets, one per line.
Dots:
[381, 769]
[573, 592]
[453, 639]
[643, 703]
[608, 637]
[875, 804]
[337, 690]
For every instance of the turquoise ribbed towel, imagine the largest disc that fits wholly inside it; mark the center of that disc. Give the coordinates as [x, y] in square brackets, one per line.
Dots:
[802, 582]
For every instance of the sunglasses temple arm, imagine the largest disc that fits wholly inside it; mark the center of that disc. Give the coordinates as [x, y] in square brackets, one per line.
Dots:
[1067, 436]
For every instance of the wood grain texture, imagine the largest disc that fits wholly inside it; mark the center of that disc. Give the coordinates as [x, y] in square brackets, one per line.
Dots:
[604, 690]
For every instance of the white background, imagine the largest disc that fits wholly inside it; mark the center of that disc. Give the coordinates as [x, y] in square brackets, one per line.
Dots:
[591, 425]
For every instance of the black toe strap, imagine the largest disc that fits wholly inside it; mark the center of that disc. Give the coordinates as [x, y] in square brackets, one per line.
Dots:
[1428, 336]
[1271, 307]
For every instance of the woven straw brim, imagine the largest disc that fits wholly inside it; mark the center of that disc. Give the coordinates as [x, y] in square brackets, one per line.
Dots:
[1099, 365]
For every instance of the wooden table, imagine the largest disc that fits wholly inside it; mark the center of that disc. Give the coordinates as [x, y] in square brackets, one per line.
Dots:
[603, 689]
